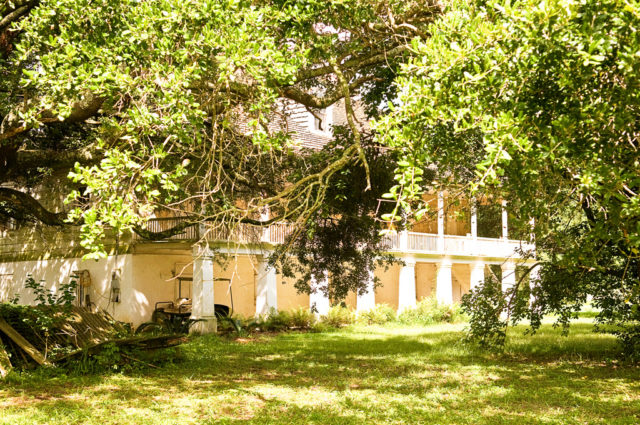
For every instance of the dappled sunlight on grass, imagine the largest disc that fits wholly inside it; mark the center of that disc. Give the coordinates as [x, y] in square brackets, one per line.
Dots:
[355, 375]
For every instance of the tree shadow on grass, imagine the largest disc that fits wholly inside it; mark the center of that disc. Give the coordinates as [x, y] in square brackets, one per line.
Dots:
[426, 375]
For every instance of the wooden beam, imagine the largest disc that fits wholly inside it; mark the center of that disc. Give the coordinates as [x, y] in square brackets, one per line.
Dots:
[22, 343]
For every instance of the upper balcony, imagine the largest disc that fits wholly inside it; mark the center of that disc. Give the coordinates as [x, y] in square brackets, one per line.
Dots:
[394, 242]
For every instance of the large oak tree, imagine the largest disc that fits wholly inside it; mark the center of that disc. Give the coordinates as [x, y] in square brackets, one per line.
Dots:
[177, 105]
[551, 88]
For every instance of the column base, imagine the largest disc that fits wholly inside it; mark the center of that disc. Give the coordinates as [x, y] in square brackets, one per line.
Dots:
[205, 325]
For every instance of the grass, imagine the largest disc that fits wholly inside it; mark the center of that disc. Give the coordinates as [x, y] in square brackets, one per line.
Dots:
[357, 375]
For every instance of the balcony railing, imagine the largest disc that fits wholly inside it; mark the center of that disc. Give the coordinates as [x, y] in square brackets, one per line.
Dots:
[430, 243]
[410, 242]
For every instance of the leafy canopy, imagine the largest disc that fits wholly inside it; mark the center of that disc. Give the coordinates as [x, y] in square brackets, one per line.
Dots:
[552, 88]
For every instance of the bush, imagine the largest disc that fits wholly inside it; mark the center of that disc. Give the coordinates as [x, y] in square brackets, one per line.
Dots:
[302, 318]
[378, 315]
[338, 316]
[428, 311]
[274, 321]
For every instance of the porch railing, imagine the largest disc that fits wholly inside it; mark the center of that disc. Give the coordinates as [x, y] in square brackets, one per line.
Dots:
[394, 242]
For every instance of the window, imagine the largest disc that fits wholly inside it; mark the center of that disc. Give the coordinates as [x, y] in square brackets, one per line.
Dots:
[320, 120]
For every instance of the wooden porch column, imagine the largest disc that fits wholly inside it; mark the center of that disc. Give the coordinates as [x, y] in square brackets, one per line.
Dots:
[202, 291]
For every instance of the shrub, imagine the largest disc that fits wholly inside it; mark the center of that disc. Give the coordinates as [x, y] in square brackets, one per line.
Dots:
[274, 321]
[339, 316]
[302, 318]
[428, 311]
[378, 315]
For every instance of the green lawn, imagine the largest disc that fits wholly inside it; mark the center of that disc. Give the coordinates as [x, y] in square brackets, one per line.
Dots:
[359, 375]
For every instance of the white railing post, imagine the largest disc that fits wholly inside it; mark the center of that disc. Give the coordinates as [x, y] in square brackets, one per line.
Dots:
[474, 226]
[440, 222]
[265, 214]
[505, 219]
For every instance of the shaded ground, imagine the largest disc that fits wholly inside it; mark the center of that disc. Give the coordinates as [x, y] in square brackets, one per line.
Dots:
[374, 375]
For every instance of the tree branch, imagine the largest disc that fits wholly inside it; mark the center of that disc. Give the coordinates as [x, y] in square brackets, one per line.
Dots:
[32, 206]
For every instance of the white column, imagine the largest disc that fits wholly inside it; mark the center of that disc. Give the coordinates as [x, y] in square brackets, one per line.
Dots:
[534, 278]
[440, 222]
[203, 307]
[508, 275]
[407, 285]
[367, 300]
[266, 288]
[476, 275]
[318, 300]
[505, 227]
[444, 282]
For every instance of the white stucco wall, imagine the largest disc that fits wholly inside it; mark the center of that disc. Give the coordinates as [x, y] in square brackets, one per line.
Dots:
[55, 272]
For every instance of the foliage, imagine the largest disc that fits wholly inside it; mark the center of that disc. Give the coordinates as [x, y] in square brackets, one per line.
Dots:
[548, 88]
[119, 359]
[274, 321]
[428, 311]
[338, 316]
[38, 324]
[181, 107]
[343, 237]
[378, 315]
[302, 318]
[485, 304]
[171, 85]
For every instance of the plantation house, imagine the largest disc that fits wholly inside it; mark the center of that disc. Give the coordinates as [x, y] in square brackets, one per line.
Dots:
[443, 256]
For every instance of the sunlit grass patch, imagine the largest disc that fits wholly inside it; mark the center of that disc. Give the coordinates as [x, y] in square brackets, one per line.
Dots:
[360, 374]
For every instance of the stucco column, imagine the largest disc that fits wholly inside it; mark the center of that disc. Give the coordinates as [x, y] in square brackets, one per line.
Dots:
[367, 300]
[203, 307]
[407, 285]
[318, 300]
[440, 222]
[508, 275]
[444, 283]
[476, 275]
[266, 288]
